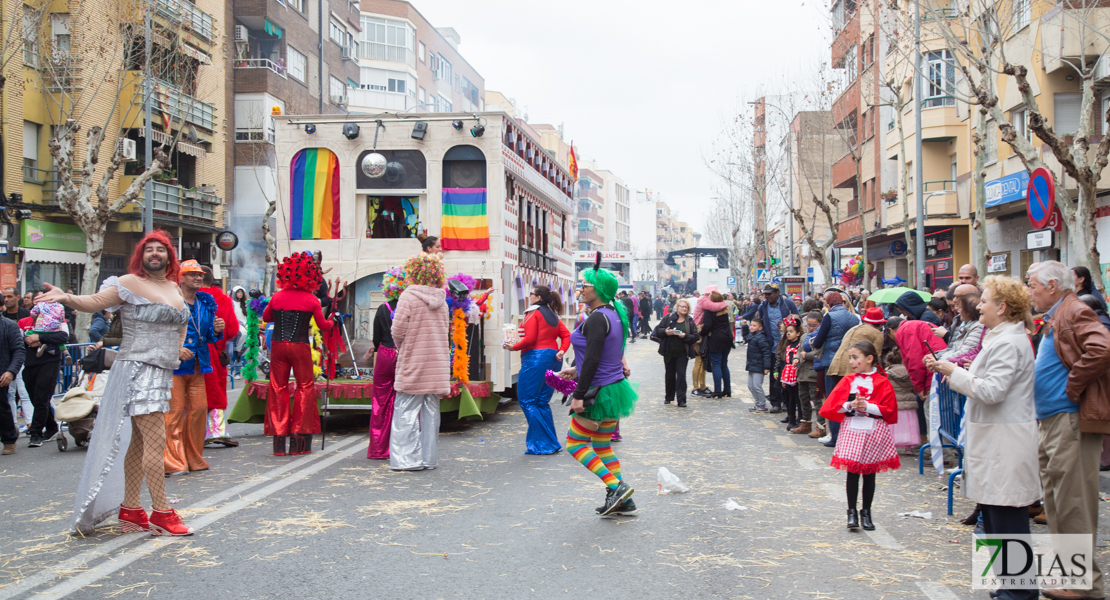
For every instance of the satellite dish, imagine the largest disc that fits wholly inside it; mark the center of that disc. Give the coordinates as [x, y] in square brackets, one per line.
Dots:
[191, 134]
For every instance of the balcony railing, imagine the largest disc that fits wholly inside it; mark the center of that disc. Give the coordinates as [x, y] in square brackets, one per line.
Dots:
[260, 63]
[940, 13]
[172, 200]
[376, 51]
[181, 105]
[188, 16]
[934, 101]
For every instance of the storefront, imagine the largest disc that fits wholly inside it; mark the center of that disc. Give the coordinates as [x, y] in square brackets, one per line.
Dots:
[53, 253]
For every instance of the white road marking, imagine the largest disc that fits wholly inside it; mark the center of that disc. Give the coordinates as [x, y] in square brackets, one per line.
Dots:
[807, 462]
[936, 591]
[785, 441]
[879, 536]
[83, 559]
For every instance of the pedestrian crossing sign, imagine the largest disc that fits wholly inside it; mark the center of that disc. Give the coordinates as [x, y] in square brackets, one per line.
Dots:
[763, 276]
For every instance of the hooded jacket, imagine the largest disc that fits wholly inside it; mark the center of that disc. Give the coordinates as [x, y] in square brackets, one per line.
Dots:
[910, 336]
[215, 383]
[240, 314]
[420, 329]
[202, 313]
[912, 303]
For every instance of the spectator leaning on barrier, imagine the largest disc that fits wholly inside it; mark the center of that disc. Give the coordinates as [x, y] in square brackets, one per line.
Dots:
[1000, 456]
[12, 353]
[1071, 392]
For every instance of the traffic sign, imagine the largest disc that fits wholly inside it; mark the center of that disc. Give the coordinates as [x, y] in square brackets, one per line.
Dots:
[731, 281]
[809, 274]
[1039, 240]
[763, 276]
[1040, 201]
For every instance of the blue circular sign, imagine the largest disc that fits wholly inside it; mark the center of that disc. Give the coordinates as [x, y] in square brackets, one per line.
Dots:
[898, 248]
[1041, 198]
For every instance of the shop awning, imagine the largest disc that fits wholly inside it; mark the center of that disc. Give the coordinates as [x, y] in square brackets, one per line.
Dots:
[53, 256]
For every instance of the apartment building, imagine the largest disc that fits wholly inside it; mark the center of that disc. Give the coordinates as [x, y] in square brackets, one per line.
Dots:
[813, 148]
[592, 208]
[860, 44]
[618, 212]
[407, 64]
[291, 57]
[86, 61]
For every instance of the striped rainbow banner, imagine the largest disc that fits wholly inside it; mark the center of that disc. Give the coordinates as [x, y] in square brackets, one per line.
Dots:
[314, 195]
[465, 224]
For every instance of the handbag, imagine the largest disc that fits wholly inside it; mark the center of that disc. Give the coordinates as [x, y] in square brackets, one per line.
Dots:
[98, 360]
[588, 399]
[223, 358]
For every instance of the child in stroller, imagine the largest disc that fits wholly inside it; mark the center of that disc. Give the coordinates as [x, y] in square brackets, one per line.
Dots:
[77, 407]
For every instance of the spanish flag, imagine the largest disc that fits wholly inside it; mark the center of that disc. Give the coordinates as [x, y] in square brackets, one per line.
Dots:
[573, 167]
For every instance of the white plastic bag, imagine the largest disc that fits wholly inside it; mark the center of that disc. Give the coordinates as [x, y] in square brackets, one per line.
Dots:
[733, 505]
[669, 483]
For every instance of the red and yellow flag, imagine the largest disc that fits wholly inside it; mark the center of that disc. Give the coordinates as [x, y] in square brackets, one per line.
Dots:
[573, 166]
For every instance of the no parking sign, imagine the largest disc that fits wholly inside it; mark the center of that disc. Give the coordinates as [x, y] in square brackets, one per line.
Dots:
[1040, 202]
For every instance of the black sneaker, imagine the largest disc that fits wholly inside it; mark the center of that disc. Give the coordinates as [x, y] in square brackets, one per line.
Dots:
[36, 441]
[626, 509]
[614, 497]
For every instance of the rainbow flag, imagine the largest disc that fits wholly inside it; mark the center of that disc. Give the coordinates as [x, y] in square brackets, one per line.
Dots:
[465, 225]
[314, 195]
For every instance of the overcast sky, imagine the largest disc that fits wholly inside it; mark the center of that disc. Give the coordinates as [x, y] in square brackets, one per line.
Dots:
[640, 88]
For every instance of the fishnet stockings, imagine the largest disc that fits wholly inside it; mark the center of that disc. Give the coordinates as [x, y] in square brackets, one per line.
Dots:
[145, 457]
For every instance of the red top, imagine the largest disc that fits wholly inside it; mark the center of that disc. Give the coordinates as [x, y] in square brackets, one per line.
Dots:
[296, 300]
[882, 395]
[538, 335]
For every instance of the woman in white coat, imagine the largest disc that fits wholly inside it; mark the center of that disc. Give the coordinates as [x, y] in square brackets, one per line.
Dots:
[1001, 469]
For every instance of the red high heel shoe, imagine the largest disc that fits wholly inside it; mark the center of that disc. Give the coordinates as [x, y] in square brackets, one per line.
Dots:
[132, 520]
[167, 522]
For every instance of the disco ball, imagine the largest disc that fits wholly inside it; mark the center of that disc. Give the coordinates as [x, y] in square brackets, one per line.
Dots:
[374, 165]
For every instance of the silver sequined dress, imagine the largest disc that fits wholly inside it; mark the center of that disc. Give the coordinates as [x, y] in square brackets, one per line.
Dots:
[140, 383]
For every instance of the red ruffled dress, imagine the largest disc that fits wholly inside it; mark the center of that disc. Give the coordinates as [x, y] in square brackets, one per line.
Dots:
[865, 444]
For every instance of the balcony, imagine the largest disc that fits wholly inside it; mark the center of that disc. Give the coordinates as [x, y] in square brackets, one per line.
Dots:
[376, 51]
[261, 63]
[169, 98]
[192, 19]
[940, 13]
[176, 201]
[376, 100]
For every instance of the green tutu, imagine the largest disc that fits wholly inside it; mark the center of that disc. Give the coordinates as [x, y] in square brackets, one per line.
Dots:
[614, 402]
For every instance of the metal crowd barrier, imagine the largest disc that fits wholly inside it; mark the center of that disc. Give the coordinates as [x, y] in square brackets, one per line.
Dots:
[951, 404]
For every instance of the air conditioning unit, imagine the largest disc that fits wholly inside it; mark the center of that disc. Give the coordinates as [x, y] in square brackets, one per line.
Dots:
[217, 256]
[129, 149]
[1102, 70]
[241, 33]
[339, 100]
[347, 54]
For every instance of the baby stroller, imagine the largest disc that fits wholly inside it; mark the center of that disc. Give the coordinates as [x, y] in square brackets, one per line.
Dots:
[77, 407]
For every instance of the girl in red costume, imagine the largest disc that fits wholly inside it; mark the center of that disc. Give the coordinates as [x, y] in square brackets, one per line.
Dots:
[865, 403]
[289, 310]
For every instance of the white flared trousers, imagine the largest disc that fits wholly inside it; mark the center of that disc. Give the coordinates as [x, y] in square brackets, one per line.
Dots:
[412, 439]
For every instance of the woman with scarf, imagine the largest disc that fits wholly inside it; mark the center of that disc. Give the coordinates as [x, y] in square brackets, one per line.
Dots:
[290, 310]
[603, 394]
[384, 354]
[545, 341]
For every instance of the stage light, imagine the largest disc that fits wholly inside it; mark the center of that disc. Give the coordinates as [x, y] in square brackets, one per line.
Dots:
[419, 128]
[350, 131]
[457, 124]
[310, 129]
[478, 130]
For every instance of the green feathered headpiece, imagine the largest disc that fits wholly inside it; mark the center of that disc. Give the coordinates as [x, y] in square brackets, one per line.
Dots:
[605, 285]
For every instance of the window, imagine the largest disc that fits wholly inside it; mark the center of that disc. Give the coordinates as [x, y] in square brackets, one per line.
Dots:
[443, 105]
[59, 29]
[422, 97]
[297, 4]
[337, 90]
[1105, 129]
[443, 69]
[384, 80]
[297, 64]
[940, 72]
[992, 142]
[851, 63]
[1023, 11]
[1066, 113]
[1020, 120]
[422, 50]
[30, 151]
[30, 55]
[336, 33]
[388, 32]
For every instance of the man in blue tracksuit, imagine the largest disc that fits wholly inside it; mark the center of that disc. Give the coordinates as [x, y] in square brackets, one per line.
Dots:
[774, 308]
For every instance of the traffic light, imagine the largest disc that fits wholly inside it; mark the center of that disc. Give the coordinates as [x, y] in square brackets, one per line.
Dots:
[774, 261]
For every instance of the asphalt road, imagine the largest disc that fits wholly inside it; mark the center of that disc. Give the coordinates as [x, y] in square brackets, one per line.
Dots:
[491, 522]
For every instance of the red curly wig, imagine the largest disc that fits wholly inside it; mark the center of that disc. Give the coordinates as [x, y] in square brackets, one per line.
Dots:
[160, 236]
[299, 272]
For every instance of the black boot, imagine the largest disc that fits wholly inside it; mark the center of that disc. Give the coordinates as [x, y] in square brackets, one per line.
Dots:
[853, 518]
[279, 445]
[865, 517]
